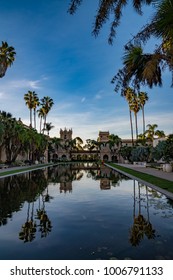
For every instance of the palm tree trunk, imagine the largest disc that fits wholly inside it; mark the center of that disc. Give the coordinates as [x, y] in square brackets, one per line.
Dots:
[143, 116]
[44, 125]
[34, 118]
[131, 125]
[30, 117]
[40, 123]
[136, 122]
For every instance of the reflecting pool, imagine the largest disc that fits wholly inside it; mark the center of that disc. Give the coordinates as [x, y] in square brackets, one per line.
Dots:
[83, 212]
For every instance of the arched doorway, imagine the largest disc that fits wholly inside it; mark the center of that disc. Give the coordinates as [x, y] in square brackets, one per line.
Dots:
[105, 157]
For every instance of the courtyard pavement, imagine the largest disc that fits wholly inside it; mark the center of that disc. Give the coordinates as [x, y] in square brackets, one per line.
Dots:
[151, 171]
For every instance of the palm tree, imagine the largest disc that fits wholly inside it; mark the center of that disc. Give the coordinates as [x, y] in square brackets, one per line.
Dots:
[7, 56]
[46, 103]
[146, 68]
[29, 101]
[151, 131]
[107, 9]
[160, 25]
[143, 97]
[41, 114]
[139, 68]
[48, 127]
[36, 103]
[160, 133]
[114, 139]
[135, 107]
[128, 94]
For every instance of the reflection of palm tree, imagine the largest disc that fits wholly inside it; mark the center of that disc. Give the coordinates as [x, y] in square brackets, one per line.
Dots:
[141, 227]
[27, 233]
[47, 196]
[45, 223]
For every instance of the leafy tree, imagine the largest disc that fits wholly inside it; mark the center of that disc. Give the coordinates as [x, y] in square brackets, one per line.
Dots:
[164, 150]
[125, 152]
[141, 154]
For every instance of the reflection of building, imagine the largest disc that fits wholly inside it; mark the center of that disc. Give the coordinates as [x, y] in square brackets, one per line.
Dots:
[105, 184]
[105, 177]
[65, 187]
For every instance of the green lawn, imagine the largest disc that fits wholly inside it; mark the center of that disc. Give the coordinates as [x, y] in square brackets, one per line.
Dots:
[159, 182]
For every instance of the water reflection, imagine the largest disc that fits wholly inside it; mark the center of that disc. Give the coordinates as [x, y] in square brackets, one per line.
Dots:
[141, 225]
[113, 207]
[15, 190]
[28, 229]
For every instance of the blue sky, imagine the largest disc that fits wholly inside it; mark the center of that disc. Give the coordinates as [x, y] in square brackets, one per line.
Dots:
[58, 57]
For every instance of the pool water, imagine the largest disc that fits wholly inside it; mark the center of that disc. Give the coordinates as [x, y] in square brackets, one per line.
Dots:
[83, 212]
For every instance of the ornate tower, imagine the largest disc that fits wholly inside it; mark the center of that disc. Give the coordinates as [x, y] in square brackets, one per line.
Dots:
[103, 136]
[66, 134]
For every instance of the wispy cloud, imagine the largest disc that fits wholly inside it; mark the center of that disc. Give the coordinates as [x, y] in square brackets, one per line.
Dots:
[83, 99]
[26, 84]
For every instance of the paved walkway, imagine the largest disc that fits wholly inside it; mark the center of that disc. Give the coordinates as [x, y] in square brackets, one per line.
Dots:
[151, 171]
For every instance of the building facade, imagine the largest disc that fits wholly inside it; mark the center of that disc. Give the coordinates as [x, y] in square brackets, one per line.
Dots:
[66, 150]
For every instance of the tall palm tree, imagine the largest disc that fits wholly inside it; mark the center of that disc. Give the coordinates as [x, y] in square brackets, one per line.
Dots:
[46, 103]
[143, 97]
[128, 94]
[41, 114]
[109, 9]
[7, 57]
[36, 103]
[29, 101]
[135, 107]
